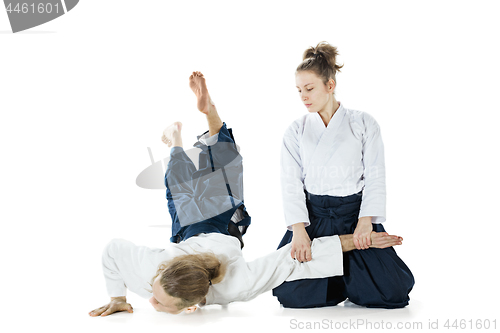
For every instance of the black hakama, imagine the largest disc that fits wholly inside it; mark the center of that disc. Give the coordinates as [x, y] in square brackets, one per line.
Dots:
[182, 173]
[373, 277]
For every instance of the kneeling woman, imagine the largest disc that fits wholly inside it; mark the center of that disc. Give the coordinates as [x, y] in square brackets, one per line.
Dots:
[204, 262]
[333, 183]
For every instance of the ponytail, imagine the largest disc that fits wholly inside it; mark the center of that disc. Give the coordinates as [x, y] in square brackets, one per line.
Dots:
[189, 276]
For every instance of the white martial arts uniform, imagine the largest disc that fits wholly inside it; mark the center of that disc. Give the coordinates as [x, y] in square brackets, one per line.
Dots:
[341, 159]
[126, 265]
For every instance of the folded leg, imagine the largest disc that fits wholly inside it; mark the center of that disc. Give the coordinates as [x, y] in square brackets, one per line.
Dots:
[377, 278]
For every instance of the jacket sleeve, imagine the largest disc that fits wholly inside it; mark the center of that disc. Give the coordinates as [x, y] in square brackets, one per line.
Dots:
[292, 182]
[374, 194]
[128, 266]
[248, 280]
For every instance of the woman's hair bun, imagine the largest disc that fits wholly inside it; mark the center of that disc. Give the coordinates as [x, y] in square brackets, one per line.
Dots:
[322, 60]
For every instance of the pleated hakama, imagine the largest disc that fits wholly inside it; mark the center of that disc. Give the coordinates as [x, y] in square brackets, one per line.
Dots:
[373, 277]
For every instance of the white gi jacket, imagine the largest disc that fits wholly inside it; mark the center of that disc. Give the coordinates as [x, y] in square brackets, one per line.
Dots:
[128, 266]
[341, 159]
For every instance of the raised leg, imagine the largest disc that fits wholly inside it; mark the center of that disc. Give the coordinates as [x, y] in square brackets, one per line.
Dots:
[205, 104]
[211, 194]
[172, 135]
[180, 167]
[179, 174]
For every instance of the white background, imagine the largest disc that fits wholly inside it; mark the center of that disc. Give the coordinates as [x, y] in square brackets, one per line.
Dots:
[83, 96]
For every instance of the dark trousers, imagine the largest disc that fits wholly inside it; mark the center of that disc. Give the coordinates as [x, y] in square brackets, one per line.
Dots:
[210, 198]
[373, 277]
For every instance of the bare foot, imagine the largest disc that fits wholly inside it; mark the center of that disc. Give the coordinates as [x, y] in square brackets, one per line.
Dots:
[199, 87]
[172, 135]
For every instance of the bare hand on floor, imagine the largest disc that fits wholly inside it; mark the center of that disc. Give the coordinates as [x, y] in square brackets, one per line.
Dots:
[116, 304]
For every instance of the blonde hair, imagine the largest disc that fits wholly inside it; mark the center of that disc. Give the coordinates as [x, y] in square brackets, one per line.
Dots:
[321, 60]
[189, 276]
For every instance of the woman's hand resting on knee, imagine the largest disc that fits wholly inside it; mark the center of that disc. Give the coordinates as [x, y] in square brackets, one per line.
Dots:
[301, 243]
[116, 304]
